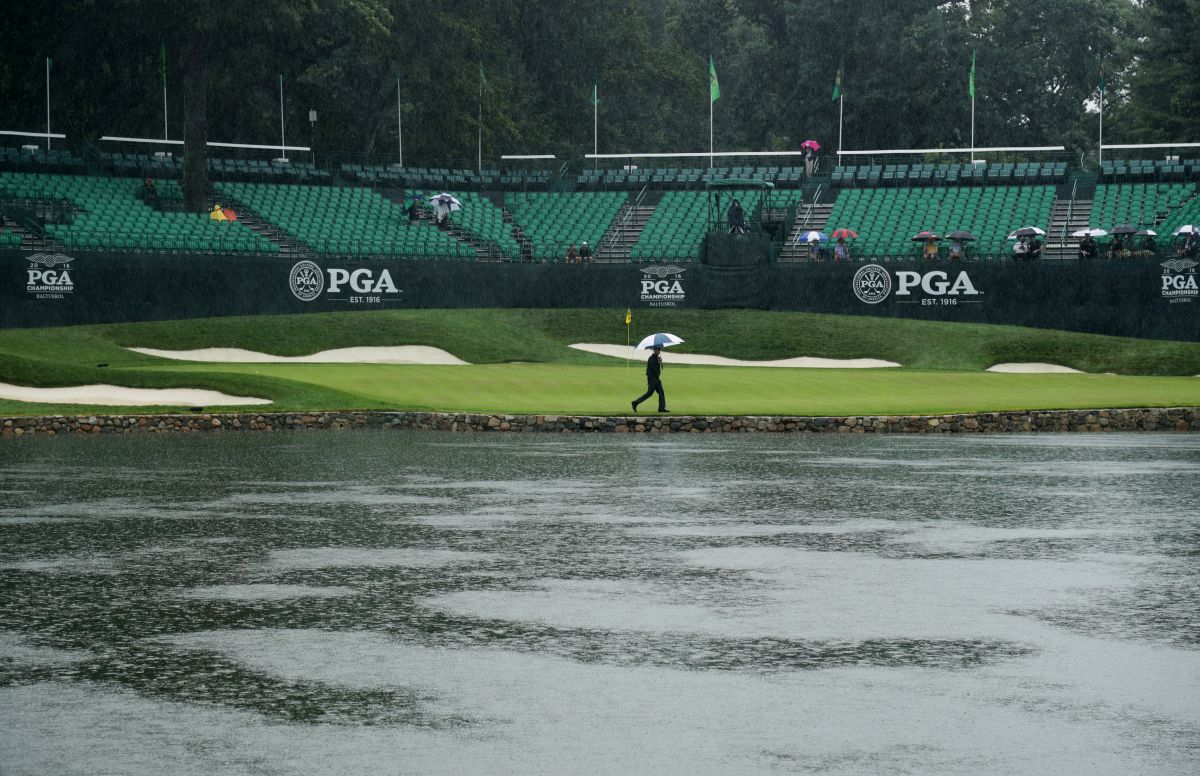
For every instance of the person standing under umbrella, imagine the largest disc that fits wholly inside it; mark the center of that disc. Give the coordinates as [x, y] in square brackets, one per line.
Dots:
[653, 381]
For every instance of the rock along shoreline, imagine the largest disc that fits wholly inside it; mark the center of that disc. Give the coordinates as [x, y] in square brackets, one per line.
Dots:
[1180, 419]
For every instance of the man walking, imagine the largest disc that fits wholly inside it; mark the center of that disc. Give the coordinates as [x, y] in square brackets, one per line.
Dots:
[653, 381]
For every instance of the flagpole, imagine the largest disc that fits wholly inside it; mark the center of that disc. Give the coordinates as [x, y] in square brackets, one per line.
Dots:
[282, 143]
[1100, 143]
[595, 125]
[972, 88]
[479, 159]
[399, 125]
[710, 132]
[47, 103]
[166, 135]
[841, 112]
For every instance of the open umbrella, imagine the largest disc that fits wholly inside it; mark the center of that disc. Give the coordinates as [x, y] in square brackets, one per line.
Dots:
[1028, 231]
[659, 340]
[813, 144]
[1089, 233]
[448, 201]
[808, 237]
[843, 234]
[1145, 233]
[1187, 229]
[1124, 229]
[961, 234]
[925, 236]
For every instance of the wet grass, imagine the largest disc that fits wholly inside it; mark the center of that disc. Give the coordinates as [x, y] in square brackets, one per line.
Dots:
[521, 363]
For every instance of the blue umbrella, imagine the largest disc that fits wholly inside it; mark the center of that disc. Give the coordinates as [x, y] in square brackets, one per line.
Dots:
[659, 340]
[808, 237]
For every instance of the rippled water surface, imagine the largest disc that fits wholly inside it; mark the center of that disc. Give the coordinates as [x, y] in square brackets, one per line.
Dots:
[384, 603]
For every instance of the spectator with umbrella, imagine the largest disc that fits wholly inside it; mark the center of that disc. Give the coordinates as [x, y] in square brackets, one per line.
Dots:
[811, 148]
[1119, 249]
[841, 251]
[1190, 247]
[1027, 246]
[930, 248]
[1088, 247]
[958, 247]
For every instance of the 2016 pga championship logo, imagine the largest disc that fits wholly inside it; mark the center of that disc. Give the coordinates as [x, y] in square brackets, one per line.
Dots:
[49, 276]
[662, 286]
[1179, 280]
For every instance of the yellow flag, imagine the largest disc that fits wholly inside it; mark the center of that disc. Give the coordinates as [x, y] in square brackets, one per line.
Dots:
[628, 317]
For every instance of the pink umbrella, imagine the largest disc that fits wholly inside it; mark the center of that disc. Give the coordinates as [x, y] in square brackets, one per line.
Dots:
[813, 144]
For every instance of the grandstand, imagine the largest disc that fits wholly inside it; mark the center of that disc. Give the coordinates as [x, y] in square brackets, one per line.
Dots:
[93, 202]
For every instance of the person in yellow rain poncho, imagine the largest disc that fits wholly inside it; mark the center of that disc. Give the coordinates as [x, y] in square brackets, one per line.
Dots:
[217, 214]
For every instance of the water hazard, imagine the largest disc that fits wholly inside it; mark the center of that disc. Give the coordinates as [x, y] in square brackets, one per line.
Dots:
[431, 603]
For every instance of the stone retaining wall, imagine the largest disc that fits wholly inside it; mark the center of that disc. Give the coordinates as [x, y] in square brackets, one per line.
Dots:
[1159, 419]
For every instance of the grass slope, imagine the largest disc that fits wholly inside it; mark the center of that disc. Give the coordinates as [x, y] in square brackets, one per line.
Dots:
[943, 363]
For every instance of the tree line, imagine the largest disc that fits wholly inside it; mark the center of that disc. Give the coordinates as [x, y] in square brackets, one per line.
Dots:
[524, 71]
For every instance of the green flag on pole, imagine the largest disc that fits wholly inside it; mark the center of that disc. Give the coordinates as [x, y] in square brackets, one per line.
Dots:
[714, 89]
[1102, 79]
[162, 64]
[971, 82]
[837, 81]
[595, 97]
[482, 77]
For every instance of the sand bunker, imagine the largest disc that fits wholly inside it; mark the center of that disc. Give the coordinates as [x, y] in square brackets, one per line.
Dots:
[803, 362]
[402, 354]
[1034, 367]
[129, 397]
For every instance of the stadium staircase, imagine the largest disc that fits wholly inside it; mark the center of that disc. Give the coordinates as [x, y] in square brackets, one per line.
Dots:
[626, 229]
[1071, 211]
[811, 216]
[289, 247]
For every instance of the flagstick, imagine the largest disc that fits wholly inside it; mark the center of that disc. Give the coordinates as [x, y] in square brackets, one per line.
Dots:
[595, 126]
[972, 129]
[399, 125]
[47, 103]
[1100, 144]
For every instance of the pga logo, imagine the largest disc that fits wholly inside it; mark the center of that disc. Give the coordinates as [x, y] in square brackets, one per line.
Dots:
[934, 283]
[48, 275]
[1179, 280]
[873, 283]
[662, 286]
[307, 281]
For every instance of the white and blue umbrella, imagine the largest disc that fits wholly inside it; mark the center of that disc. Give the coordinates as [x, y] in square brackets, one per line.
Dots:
[659, 340]
[807, 237]
[1187, 229]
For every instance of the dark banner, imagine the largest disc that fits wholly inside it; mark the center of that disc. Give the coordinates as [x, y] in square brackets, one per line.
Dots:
[1137, 297]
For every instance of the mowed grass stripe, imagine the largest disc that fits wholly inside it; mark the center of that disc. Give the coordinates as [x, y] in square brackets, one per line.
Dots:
[702, 390]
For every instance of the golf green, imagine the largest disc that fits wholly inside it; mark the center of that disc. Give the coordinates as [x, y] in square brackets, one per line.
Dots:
[704, 390]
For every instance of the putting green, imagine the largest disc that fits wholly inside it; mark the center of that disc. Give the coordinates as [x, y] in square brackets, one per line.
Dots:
[702, 390]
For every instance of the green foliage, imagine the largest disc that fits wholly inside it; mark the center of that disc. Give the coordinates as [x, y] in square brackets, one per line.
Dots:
[906, 65]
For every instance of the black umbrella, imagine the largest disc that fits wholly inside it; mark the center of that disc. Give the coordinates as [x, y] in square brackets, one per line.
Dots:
[1028, 231]
[1123, 229]
[961, 234]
